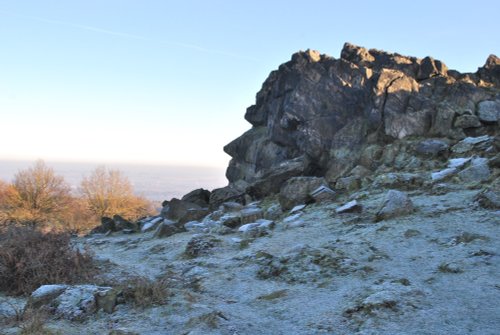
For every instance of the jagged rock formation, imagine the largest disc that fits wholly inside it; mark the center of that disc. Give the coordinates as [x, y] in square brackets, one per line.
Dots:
[321, 116]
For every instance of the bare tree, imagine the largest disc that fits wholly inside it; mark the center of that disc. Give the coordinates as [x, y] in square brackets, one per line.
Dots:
[109, 192]
[37, 195]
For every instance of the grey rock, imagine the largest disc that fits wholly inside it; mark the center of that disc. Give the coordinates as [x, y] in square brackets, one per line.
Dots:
[467, 121]
[273, 178]
[490, 72]
[469, 143]
[443, 174]
[442, 123]
[458, 162]
[45, 294]
[168, 228]
[74, 302]
[200, 196]
[431, 147]
[297, 208]
[395, 204]
[297, 191]
[476, 140]
[224, 194]
[430, 67]
[256, 229]
[177, 210]
[316, 115]
[151, 224]
[251, 214]
[489, 111]
[454, 165]
[478, 171]
[350, 207]
[323, 194]
[292, 217]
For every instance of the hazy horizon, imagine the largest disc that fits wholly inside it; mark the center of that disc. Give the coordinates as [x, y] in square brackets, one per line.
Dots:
[156, 182]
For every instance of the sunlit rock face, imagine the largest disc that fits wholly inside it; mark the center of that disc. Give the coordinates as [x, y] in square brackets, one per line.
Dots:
[316, 115]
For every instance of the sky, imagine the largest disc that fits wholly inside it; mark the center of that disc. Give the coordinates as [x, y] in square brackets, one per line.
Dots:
[168, 82]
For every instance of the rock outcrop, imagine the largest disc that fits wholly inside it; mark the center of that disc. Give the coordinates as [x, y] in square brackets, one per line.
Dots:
[321, 116]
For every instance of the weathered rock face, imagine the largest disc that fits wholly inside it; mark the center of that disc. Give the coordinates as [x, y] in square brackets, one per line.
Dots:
[318, 116]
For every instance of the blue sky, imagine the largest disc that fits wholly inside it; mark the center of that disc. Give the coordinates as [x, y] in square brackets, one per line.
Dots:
[169, 81]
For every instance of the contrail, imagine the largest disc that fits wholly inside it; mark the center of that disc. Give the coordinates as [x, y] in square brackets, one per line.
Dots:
[131, 36]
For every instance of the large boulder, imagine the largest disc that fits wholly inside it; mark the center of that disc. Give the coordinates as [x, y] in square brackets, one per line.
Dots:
[183, 211]
[225, 194]
[298, 190]
[200, 196]
[273, 180]
[489, 111]
[73, 302]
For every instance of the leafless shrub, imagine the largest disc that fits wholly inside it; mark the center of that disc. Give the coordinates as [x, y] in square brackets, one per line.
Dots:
[30, 258]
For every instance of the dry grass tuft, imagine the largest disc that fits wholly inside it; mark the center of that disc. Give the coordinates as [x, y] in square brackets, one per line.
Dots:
[144, 292]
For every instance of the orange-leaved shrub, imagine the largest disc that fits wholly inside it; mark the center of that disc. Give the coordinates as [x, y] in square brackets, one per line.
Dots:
[109, 192]
[36, 196]
[30, 258]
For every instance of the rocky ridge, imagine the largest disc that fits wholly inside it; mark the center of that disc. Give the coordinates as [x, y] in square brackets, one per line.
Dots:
[321, 116]
[364, 200]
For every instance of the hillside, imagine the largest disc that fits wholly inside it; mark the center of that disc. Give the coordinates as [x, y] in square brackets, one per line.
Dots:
[365, 199]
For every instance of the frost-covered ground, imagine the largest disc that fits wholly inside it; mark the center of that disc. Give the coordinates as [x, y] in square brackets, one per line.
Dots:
[435, 271]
